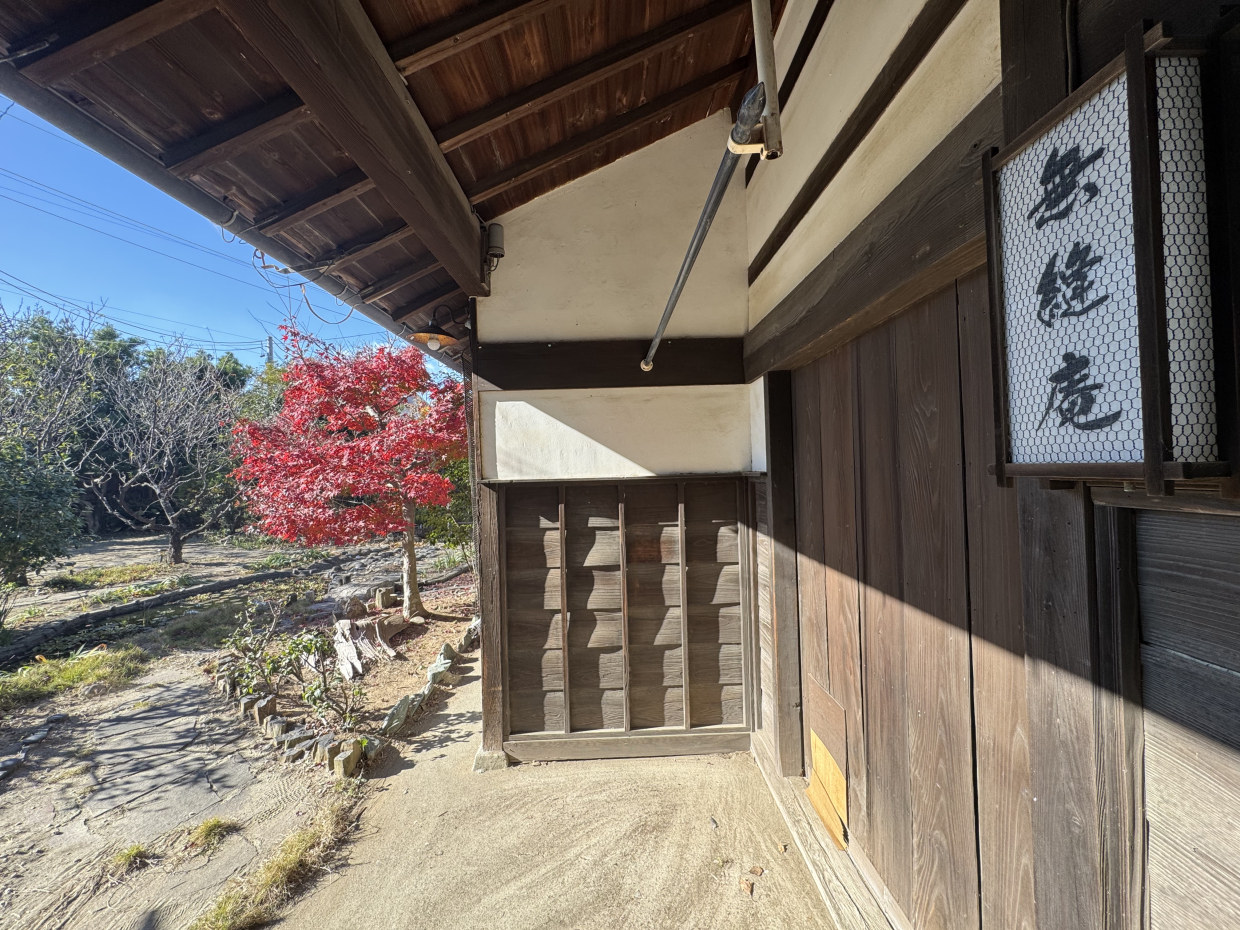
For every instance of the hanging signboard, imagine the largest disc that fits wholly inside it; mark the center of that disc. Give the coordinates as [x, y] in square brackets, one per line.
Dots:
[1105, 333]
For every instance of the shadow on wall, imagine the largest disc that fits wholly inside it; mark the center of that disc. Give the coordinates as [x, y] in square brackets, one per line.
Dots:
[616, 433]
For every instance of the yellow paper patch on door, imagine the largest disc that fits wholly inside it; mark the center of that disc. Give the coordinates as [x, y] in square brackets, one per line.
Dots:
[828, 790]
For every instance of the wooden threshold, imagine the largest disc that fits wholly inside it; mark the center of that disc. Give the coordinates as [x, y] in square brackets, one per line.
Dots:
[620, 745]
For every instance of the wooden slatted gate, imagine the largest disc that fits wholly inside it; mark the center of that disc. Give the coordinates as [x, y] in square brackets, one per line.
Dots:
[625, 618]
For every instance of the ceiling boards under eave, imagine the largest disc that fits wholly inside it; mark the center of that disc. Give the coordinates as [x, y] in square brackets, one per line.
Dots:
[360, 139]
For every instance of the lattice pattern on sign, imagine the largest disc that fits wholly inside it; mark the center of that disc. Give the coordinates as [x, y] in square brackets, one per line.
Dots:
[1186, 251]
[1074, 382]
[1069, 279]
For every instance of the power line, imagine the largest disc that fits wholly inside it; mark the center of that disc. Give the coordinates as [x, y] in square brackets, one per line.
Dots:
[90, 313]
[110, 216]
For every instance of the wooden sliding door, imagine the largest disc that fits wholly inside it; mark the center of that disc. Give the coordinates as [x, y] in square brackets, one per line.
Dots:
[624, 621]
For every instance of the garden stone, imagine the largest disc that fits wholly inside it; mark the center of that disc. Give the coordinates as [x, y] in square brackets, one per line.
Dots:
[57, 718]
[98, 689]
[277, 726]
[325, 749]
[247, 704]
[37, 736]
[346, 759]
[396, 716]
[373, 746]
[438, 669]
[447, 652]
[296, 750]
[264, 708]
[288, 739]
[354, 609]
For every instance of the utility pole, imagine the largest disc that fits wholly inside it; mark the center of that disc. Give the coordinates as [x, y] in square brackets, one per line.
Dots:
[271, 351]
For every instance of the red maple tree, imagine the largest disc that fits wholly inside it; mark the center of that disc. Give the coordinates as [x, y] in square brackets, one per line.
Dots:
[358, 444]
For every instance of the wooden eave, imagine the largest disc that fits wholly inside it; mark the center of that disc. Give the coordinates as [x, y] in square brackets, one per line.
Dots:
[376, 165]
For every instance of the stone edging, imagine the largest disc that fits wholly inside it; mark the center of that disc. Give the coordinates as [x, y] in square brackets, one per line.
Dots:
[342, 755]
[24, 646]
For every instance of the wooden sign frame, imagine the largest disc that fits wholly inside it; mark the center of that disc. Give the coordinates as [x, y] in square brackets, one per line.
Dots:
[1143, 47]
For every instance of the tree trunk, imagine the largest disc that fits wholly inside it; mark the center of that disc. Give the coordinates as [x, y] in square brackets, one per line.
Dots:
[175, 543]
[409, 568]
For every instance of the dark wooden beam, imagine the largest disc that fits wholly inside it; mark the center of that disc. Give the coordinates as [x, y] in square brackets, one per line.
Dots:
[466, 29]
[528, 168]
[331, 56]
[224, 140]
[584, 74]
[782, 526]
[1035, 62]
[537, 366]
[354, 251]
[317, 200]
[398, 279]
[925, 234]
[490, 606]
[424, 302]
[909, 53]
[101, 32]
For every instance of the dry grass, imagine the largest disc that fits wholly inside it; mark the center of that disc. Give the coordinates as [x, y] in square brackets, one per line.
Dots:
[32, 683]
[211, 832]
[103, 577]
[129, 860]
[258, 898]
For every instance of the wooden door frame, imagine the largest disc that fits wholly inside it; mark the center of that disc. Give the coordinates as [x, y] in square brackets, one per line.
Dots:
[1119, 721]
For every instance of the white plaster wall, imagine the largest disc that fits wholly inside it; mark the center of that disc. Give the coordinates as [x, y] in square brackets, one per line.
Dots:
[596, 259]
[616, 432]
[953, 79]
[757, 425]
[788, 34]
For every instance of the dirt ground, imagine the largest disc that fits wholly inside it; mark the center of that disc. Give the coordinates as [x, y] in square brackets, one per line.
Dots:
[145, 764]
[204, 560]
[561, 846]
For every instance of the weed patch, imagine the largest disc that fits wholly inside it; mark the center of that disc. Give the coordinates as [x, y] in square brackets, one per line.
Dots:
[129, 860]
[210, 833]
[135, 591]
[104, 577]
[40, 680]
[258, 898]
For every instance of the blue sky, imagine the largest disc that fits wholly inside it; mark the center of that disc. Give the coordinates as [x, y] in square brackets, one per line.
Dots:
[200, 286]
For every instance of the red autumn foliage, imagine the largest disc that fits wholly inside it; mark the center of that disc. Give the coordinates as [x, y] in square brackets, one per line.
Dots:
[360, 439]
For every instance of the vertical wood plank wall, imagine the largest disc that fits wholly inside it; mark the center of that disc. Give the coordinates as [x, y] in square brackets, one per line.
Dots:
[911, 612]
[621, 600]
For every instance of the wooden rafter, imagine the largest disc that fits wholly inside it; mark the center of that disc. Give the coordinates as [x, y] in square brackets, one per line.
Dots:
[401, 278]
[540, 162]
[103, 31]
[331, 56]
[226, 139]
[584, 74]
[425, 302]
[356, 251]
[466, 29]
[317, 200]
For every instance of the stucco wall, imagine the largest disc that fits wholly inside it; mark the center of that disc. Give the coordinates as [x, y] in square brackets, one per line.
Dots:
[957, 74]
[596, 258]
[616, 432]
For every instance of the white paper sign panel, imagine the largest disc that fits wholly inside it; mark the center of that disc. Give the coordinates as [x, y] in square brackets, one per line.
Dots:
[1069, 275]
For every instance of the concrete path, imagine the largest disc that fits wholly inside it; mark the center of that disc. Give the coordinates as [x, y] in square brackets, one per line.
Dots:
[562, 846]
